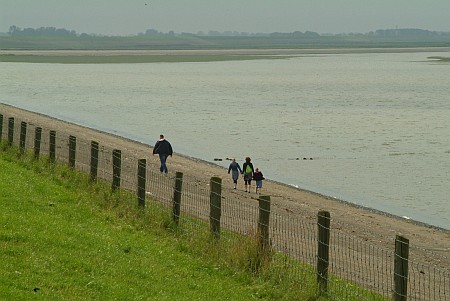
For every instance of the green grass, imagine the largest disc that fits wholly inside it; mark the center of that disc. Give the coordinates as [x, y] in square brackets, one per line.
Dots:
[60, 242]
[63, 238]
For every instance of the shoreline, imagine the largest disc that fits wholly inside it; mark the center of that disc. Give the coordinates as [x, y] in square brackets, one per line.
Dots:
[365, 223]
[340, 198]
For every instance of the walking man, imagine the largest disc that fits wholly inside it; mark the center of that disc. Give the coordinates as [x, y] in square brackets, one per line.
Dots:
[163, 149]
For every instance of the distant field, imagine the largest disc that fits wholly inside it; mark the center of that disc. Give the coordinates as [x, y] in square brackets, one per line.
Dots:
[164, 42]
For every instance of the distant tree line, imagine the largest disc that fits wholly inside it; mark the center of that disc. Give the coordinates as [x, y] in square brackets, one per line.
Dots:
[407, 32]
[213, 33]
[154, 32]
[41, 32]
[61, 32]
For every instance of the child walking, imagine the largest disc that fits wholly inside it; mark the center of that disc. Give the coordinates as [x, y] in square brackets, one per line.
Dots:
[258, 177]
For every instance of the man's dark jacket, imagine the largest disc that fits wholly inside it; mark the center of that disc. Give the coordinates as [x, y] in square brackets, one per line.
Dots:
[163, 147]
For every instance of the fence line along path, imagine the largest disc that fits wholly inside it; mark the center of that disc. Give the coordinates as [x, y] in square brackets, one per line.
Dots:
[359, 247]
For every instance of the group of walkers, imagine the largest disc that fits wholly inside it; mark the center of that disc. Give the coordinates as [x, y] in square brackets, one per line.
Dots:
[164, 149]
[248, 173]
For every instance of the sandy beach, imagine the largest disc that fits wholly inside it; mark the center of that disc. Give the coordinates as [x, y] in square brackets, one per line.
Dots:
[430, 244]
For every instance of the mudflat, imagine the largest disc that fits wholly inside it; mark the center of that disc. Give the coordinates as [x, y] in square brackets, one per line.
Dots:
[202, 55]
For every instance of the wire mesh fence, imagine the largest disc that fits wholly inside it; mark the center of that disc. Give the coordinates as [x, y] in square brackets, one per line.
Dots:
[352, 268]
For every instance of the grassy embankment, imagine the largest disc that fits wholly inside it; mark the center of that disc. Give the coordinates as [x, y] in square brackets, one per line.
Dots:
[63, 238]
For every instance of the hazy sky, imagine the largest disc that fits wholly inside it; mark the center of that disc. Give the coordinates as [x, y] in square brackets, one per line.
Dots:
[125, 17]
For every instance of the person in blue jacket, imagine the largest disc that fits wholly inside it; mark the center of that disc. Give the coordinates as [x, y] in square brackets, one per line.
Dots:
[235, 171]
[163, 149]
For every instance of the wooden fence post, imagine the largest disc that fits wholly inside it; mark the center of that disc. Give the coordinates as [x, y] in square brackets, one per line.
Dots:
[117, 168]
[37, 142]
[401, 268]
[23, 136]
[323, 223]
[263, 223]
[52, 146]
[94, 161]
[10, 130]
[215, 204]
[72, 151]
[176, 210]
[141, 182]
[1, 126]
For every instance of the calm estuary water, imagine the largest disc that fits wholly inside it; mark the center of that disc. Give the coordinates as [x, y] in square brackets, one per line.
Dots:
[377, 126]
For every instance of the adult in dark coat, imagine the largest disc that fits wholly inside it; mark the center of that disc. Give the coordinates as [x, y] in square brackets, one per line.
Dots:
[163, 149]
[247, 169]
